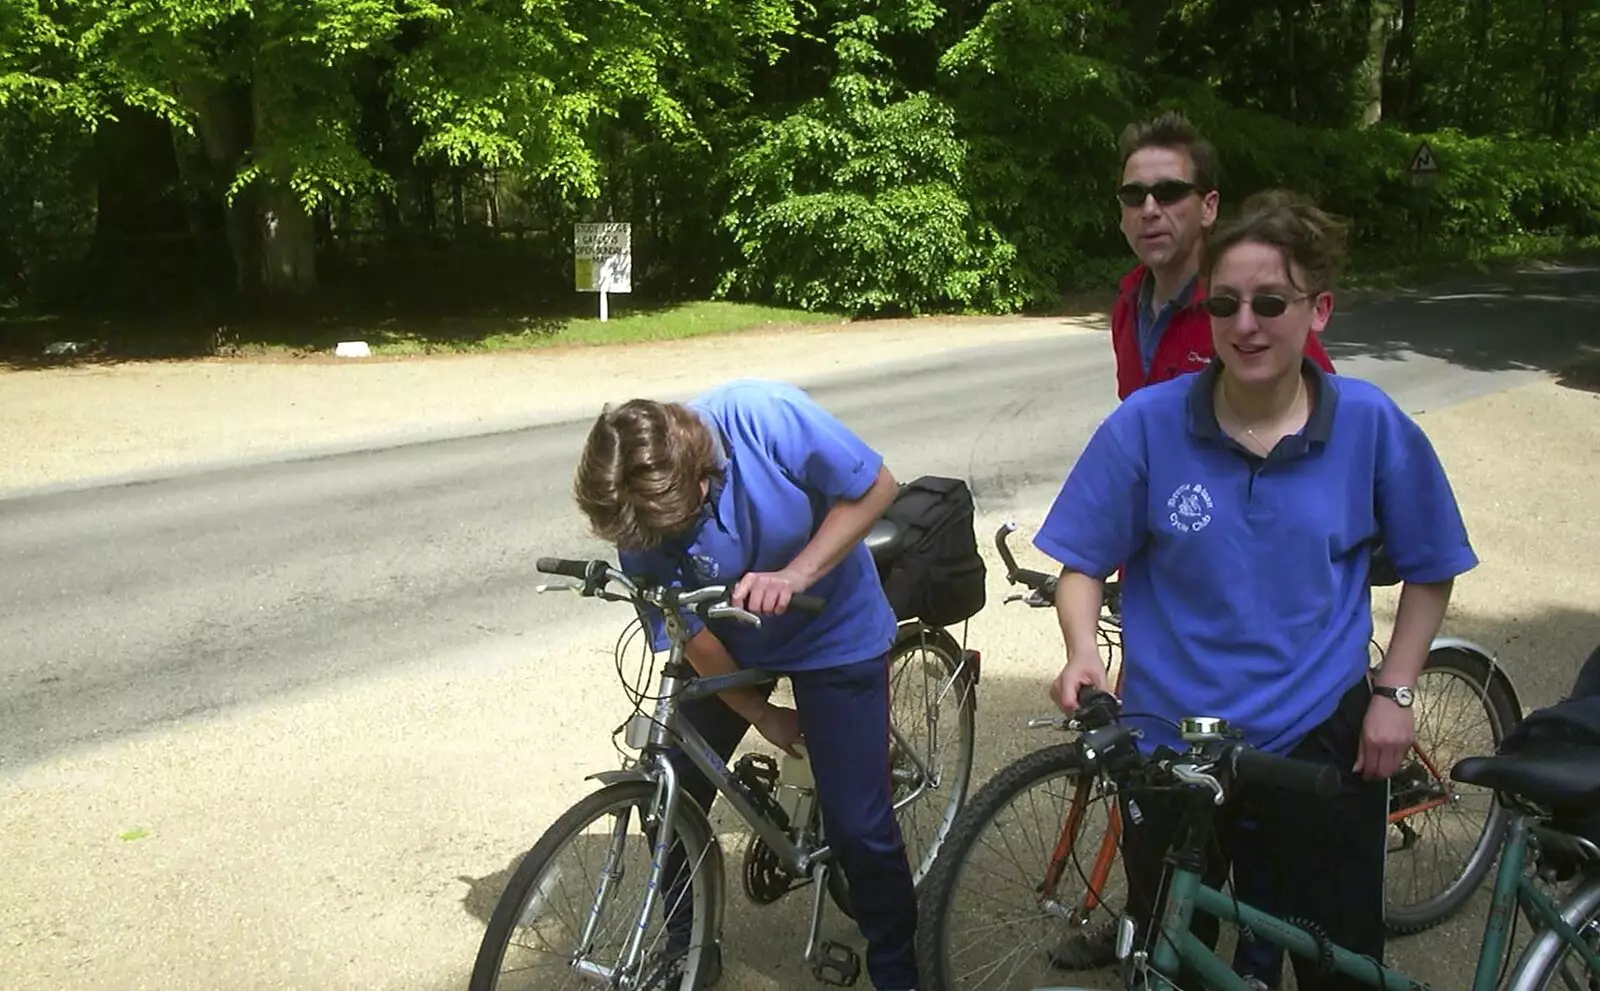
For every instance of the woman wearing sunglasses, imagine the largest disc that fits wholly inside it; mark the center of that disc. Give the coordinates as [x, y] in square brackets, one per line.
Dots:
[1244, 501]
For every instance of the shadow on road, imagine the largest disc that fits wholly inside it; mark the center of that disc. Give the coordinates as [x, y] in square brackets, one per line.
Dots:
[1545, 318]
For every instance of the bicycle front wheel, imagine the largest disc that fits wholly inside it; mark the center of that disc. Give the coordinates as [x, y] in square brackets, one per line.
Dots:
[1551, 962]
[567, 917]
[1028, 867]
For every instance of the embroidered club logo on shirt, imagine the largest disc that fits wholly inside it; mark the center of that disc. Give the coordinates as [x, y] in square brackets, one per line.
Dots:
[1191, 507]
[706, 567]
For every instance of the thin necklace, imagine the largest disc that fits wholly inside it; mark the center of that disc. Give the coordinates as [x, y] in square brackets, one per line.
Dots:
[1266, 450]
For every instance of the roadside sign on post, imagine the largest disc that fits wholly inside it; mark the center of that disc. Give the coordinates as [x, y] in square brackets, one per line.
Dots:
[1424, 170]
[1424, 166]
[603, 259]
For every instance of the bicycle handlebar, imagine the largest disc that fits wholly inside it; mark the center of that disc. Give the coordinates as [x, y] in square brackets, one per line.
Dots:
[1106, 744]
[709, 601]
[1041, 586]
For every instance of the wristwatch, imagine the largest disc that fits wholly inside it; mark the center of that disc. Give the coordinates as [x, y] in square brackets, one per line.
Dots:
[1401, 696]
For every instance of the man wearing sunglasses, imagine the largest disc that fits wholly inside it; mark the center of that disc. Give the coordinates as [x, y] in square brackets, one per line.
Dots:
[1168, 197]
[1160, 329]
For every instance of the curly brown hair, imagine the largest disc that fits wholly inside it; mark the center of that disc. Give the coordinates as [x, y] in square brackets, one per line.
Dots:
[1305, 236]
[638, 479]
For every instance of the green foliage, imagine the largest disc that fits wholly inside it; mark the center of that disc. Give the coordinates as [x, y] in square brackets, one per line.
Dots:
[1488, 190]
[864, 155]
[856, 201]
[1041, 116]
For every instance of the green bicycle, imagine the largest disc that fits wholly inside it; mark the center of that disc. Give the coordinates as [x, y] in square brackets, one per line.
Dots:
[1552, 797]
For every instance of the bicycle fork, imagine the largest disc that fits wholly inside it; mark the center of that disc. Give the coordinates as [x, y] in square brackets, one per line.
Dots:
[630, 967]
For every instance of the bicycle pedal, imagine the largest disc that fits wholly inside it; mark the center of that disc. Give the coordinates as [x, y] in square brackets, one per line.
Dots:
[836, 964]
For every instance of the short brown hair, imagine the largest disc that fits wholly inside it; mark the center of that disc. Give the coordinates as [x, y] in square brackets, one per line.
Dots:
[638, 480]
[1172, 129]
[1304, 235]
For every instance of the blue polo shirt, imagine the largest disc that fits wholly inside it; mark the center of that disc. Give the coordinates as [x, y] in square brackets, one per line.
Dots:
[1245, 590]
[786, 461]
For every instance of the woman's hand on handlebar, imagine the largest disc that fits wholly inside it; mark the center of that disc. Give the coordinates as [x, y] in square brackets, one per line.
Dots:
[766, 591]
[1077, 674]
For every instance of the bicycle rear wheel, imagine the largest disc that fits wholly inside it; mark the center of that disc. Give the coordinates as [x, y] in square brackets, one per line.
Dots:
[1444, 835]
[575, 871]
[932, 706]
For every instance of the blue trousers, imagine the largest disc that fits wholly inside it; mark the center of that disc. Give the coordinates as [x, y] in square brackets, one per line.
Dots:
[844, 716]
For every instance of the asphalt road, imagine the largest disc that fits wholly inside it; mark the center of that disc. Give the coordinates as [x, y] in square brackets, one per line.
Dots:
[139, 603]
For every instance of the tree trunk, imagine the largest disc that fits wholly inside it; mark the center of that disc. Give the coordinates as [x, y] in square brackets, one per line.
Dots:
[1397, 78]
[288, 243]
[1372, 66]
[143, 250]
[224, 121]
[281, 225]
[1479, 111]
[1561, 78]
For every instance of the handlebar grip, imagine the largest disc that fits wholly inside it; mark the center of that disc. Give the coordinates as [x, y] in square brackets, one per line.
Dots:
[804, 602]
[563, 566]
[1270, 770]
[1088, 695]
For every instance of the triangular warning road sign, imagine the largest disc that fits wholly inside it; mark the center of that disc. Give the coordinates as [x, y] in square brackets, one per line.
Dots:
[1423, 160]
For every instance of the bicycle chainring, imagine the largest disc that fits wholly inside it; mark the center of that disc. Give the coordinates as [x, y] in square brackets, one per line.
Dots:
[765, 880]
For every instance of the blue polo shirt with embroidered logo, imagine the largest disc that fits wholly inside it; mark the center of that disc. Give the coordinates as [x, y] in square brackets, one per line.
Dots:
[786, 461]
[1245, 590]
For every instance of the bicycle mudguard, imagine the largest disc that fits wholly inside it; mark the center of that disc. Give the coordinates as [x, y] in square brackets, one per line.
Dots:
[713, 862]
[968, 661]
[1496, 670]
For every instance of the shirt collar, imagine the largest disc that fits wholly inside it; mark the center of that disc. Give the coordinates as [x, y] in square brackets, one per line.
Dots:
[1203, 412]
[1185, 296]
[712, 508]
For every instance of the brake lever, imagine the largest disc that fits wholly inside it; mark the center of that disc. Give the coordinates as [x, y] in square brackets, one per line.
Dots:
[1188, 774]
[723, 610]
[558, 587]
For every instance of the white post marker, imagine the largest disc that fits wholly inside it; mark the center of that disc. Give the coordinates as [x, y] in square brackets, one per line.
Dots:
[602, 260]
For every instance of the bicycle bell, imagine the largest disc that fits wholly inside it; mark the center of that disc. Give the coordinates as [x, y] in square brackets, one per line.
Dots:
[1201, 729]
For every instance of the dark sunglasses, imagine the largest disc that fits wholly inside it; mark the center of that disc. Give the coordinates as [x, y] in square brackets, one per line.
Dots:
[1264, 305]
[1166, 192]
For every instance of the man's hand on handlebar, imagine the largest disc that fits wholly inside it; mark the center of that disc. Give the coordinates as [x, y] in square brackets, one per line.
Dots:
[1077, 674]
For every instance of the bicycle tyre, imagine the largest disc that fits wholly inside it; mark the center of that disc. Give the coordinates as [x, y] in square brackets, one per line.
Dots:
[701, 962]
[1542, 957]
[971, 823]
[937, 642]
[1503, 711]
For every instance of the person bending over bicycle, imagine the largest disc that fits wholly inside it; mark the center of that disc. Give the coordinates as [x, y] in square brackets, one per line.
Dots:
[1243, 502]
[754, 479]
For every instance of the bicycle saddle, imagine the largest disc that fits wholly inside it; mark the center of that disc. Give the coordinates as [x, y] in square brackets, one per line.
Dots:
[1561, 776]
[884, 540]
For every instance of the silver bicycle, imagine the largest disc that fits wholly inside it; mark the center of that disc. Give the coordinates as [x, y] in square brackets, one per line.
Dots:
[567, 917]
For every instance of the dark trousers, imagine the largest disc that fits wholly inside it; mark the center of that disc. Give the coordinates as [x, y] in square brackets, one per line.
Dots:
[1322, 861]
[1252, 884]
[844, 716]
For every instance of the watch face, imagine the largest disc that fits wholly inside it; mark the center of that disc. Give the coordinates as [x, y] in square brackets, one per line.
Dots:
[1402, 695]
